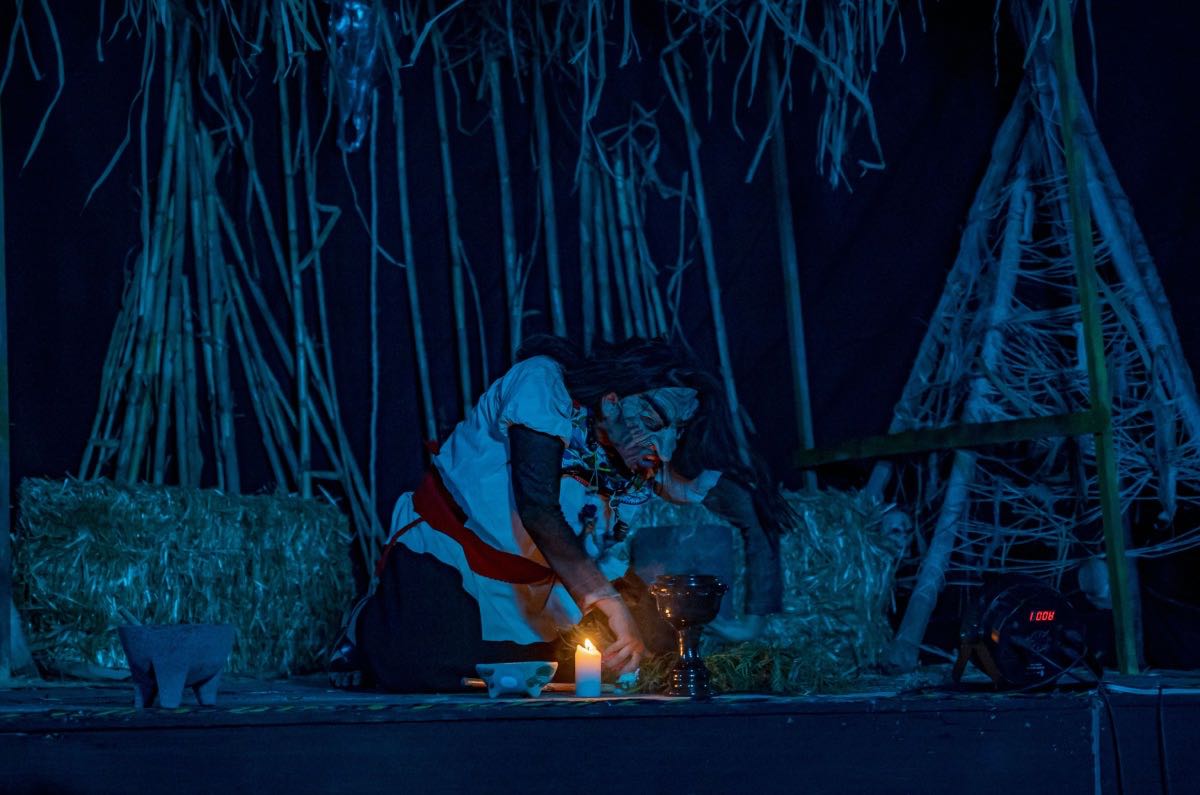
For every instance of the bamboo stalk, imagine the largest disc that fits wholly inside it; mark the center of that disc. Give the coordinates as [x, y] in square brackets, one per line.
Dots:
[240, 256]
[656, 317]
[370, 535]
[586, 277]
[675, 283]
[629, 253]
[410, 262]
[611, 229]
[466, 393]
[512, 281]
[168, 381]
[6, 604]
[256, 398]
[255, 184]
[219, 318]
[1110, 499]
[190, 388]
[197, 186]
[176, 316]
[1102, 443]
[791, 275]
[373, 436]
[295, 277]
[604, 293]
[905, 647]
[679, 95]
[112, 383]
[546, 184]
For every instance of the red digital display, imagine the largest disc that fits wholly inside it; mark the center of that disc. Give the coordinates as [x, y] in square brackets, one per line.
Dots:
[1041, 615]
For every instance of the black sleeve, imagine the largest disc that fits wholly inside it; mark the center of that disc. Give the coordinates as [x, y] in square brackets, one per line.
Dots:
[535, 459]
[734, 503]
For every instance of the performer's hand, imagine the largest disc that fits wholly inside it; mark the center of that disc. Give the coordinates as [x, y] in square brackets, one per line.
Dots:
[741, 630]
[623, 655]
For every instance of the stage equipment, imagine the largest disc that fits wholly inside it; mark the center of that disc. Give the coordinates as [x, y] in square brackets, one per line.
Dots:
[1023, 634]
[687, 602]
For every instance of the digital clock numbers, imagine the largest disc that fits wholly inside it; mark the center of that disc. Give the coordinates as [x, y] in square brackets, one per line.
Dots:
[1041, 615]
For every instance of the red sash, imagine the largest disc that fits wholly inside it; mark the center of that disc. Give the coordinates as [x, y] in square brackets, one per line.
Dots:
[436, 507]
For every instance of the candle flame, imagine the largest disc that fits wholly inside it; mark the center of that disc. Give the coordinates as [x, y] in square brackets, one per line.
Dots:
[588, 647]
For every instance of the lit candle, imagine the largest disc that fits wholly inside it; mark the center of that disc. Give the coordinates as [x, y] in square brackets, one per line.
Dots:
[587, 670]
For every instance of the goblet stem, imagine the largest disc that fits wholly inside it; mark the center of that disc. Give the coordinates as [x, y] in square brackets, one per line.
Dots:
[689, 643]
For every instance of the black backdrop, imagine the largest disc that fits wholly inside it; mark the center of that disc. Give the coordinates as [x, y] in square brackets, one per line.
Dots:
[872, 260]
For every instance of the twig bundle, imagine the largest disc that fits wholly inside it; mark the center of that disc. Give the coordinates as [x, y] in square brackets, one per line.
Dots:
[92, 555]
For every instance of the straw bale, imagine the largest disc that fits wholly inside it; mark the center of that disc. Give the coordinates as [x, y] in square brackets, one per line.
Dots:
[91, 555]
[838, 567]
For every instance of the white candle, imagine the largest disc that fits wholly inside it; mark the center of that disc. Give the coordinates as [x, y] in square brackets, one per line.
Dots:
[587, 670]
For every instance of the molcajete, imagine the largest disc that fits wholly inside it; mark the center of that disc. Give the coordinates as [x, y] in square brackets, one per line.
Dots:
[166, 658]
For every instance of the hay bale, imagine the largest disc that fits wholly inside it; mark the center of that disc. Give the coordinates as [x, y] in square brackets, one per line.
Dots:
[88, 554]
[838, 569]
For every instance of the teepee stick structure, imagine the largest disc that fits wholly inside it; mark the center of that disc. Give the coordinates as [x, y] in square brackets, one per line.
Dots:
[1136, 435]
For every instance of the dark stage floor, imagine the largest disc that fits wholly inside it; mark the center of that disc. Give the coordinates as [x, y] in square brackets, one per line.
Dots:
[892, 736]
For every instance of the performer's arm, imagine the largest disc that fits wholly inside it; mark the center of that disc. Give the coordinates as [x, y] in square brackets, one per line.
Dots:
[535, 459]
[733, 502]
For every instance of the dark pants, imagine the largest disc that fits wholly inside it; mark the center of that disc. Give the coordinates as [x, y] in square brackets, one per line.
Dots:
[420, 631]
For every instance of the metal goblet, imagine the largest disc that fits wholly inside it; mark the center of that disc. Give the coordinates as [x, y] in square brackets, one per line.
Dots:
[687, 602]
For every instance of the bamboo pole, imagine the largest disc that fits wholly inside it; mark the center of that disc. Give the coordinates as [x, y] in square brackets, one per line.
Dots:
[197, 186]
[611, 229]
[295, 276]
[245, 342]
[951, 437]
[167, 381]
[675, 283]
[600, 236]
[466, 393]
[1081, 226]
[628, 252]
[586, 277]
[656, 316]
[112, 382]
[174, 347]
[679, 95]
[6, 604]
[226, 449]
[791, 274]
[546, 184]
[410, 262]
[931, 575]
[512, 281]
[191, 391]
[373, 435]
